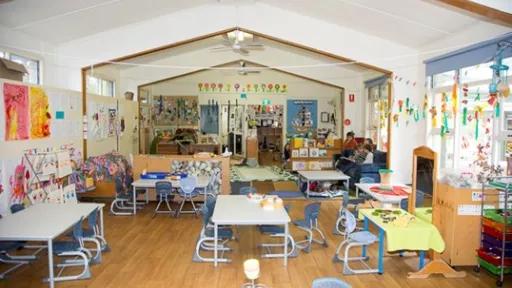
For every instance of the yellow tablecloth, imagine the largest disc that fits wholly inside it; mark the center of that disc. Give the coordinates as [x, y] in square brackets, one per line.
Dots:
[418, 235]
[424, 213]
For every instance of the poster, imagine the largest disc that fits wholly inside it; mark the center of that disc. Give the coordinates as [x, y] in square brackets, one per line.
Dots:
[39, 113]
[98, 122]
[210, 119]
[16, 112]
[301, 116]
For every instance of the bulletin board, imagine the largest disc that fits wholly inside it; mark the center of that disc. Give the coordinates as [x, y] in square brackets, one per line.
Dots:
[175, 111]
[62, 127]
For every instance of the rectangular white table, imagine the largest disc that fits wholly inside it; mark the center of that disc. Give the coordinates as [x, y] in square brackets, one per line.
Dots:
[384, 199]
[323, 175]
[240, 210]
[45, 222]
[202, 183]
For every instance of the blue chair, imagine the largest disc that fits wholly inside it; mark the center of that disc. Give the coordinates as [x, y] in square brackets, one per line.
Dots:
[6, 258]
[310, 225]
[163, 191]
[74, 248]
[15, 208]
[277, 231]
[92, 233]
[420, 198]
[329, 282]
[120, 205]
[206, 237]
[247, 190]
[188, 192]
[354, 239]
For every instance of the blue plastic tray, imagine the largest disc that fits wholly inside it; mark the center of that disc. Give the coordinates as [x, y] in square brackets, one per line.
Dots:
[154, 175]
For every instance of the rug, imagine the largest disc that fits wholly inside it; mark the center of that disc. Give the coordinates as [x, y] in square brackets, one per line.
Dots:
[269, 173]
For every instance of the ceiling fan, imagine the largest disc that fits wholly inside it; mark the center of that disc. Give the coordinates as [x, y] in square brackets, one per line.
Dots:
[243, 70]
[239, 42]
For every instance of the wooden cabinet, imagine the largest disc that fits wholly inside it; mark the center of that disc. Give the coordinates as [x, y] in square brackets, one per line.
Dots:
[458, 218]
[251, 147]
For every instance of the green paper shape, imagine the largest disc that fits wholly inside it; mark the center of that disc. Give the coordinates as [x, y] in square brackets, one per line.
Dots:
[497, 109]
[243, 96]
[464, 116]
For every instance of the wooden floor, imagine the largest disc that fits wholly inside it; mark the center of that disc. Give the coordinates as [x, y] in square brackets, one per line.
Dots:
[158, 252]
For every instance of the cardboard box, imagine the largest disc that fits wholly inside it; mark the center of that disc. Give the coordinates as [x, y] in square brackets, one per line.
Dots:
[11, 70]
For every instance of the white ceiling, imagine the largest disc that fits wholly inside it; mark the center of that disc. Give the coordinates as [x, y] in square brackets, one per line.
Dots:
[197, 55]
[411, 23]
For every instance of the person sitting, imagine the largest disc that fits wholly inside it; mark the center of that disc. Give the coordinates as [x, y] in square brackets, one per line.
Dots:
[369, 141]
[350, 141]
[287, 154]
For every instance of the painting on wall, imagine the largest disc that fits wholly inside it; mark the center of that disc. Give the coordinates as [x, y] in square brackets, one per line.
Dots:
[301, 116]
[16, 112]
[209, 119]
[39, 113]
[175, 111]
[112, 117]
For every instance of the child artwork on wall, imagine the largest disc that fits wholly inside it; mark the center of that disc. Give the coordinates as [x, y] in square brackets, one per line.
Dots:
[37, 196]
[16, 111]
[18, 182]
[63, 164]
[55, 195]
[69, 194]
[39, 113]
[112, 117]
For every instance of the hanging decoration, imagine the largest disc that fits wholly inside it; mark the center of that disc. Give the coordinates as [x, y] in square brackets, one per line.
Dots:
[478, 113]
[425, 106]
[455, 97]
[400, 105]
[464, 103]
[39, 113]
[433, 115]
[16, 112]
[205, 87]
[395, 119]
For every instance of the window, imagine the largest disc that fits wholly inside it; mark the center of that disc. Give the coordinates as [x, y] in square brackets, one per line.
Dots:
[100, 86]
[33, 66]
[459, 143]
[377, 120]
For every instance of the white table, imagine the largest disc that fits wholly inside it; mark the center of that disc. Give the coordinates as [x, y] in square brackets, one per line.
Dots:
[202, 183]
[239, 210]
[384, 199]
[324, 175]
[45, 222]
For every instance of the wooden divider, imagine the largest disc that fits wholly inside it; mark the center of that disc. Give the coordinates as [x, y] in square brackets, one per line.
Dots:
[160, 163]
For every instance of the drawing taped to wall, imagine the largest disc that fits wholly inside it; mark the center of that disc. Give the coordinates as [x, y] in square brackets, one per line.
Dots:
[39, 113]
[16, 112]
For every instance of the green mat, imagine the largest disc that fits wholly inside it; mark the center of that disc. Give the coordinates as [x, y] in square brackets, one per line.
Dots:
[272, 173]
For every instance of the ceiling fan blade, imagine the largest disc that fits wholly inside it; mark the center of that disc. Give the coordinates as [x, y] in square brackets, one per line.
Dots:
[254, 45]
[252, 71]
[243, 51]
[221, 48]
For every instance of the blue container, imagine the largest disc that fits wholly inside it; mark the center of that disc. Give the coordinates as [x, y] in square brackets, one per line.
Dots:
[154, 175]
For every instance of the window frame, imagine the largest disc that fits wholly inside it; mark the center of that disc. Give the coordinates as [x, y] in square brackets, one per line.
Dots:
[101, 88]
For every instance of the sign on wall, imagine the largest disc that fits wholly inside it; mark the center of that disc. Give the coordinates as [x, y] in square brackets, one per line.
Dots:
[301, 116]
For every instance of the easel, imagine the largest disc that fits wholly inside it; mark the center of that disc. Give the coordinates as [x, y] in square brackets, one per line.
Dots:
[437, 265]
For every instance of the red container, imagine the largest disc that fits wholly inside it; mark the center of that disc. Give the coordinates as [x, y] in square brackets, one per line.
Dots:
[493, 258]
[496, 233]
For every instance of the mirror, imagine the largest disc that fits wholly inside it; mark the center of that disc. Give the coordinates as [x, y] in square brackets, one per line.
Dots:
[423, 182]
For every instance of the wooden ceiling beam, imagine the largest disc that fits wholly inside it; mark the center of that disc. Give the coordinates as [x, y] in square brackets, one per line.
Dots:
[488, 13]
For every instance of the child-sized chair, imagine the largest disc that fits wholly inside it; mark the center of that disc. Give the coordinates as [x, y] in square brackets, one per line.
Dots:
[329, 282]
[6, 258]
[73, 248]
[247, 190]
[188, 192]
[310, 225]
[163, 191]
[277, 231]
[354, 239]
[206, 241]
[120, 205]
[93, 232]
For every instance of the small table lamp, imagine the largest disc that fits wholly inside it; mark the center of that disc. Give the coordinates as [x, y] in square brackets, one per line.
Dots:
[252, 272]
